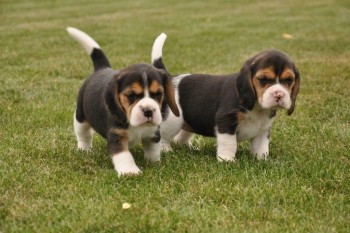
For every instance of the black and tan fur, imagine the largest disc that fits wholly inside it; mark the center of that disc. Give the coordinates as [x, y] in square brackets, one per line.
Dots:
[231, 107]
[123, 106]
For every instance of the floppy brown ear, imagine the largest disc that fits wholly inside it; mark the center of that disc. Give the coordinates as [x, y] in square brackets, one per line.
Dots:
[295, 91]
[170, 93]
[245, 89]
[112, 101]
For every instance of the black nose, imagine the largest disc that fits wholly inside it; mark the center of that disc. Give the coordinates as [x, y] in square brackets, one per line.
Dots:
[147, 113]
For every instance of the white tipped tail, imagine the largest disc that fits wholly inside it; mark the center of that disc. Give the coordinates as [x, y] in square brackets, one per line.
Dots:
[83, 39]
[96, 54]
[157, 48]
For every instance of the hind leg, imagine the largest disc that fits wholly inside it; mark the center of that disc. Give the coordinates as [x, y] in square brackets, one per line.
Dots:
[83, 132]
[168, 129]
[260, 145]
[183, 137]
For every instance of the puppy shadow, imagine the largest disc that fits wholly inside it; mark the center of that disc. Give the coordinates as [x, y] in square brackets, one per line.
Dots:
[98, 158]
[201, 151]
[95, 159]
[206, 147]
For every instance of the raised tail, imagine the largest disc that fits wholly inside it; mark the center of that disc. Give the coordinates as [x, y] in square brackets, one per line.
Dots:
[98, 58]
[157, 51]
[157, 62]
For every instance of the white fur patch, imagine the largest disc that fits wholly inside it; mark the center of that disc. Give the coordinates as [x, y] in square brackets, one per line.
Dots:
[157, 48]
[172, 125]
[151, 151]
[137, 134]
[169, 128]
[183, 137]
[83, 39]
[255, 122]
[176, 81]
[138, 117]
[84, 133]
[125, 164]
[260, 145]
[226, 147]
[269, 100]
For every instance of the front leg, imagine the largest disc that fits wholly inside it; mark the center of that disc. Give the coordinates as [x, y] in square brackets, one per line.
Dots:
[152, 147]
[260, 145]
[226, 127]
[123, 161]
[226, 147]
[168, 130]
[151, 150]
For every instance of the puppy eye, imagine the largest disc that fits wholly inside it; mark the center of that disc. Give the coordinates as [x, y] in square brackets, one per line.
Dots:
[287, 81]
[132, 97]
[264, 81]
[158, 95]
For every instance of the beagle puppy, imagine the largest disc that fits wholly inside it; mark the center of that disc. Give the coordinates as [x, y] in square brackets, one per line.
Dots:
[125, 106]
[234, 107]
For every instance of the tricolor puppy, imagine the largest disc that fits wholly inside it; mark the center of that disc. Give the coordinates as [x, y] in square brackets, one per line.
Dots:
[125, 106]
[235, 107]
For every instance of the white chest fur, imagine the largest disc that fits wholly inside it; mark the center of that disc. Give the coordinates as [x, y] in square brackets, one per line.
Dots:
[255, 123]
[136, 134]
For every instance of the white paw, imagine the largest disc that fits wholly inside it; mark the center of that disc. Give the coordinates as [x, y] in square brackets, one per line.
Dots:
[226, 158]
[181, 141]
[84, 146]
[165, 147]
[131, 170]
[124, 164]
[227, 147]
[183, 137]
[153, 157]
[151, 151]
[261, 156]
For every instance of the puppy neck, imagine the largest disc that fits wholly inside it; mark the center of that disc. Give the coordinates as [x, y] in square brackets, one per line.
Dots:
[257, 109]
[138, 133]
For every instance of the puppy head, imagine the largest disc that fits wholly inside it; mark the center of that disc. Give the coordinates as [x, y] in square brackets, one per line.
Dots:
[135, 95]
[272, 80]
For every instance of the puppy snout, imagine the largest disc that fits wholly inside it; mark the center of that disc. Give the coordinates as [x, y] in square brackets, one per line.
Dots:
[278, 95]
[147, 112]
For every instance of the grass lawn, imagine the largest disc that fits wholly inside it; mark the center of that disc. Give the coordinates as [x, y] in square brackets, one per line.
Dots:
[47, 185]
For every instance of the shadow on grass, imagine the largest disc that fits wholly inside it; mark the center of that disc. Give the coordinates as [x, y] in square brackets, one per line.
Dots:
[200, 156]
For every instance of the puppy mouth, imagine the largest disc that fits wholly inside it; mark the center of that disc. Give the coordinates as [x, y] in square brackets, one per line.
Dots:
[276, 105]
[149, 121]
[279, 104]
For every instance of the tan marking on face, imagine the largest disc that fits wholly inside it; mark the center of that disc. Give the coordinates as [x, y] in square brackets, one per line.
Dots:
[124, 102]
[267, 72]
[263, 73]
[287, 74]
[124, 138]
[123, 97]
[155, 87]
[135, 87]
